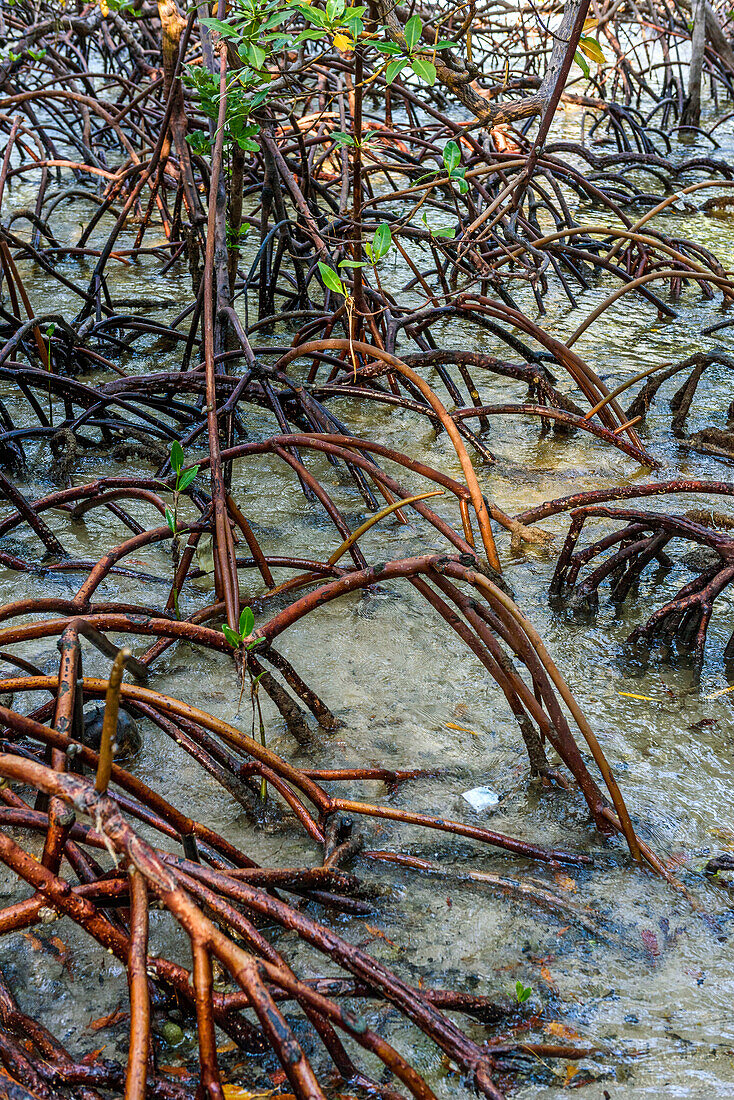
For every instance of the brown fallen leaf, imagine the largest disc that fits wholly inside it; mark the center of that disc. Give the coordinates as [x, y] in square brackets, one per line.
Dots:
[113, 1017]
[64, 955]
[650, 941]
[377, 932]
[176, 1071]
[571, 1071]
[565, 882]
[35, 942]
[546, 975]
[563, 1031]
[227, 1048]
[91, 1057]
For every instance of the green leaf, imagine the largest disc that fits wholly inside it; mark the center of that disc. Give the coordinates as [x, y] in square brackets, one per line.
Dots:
[186, 478]
[247, 145]
[413, 29]
[582, 64]
[382, 241]
[256, 56]
[275, 20]
[340, 138]
[354, 25]
[331, 279]
[426, 70]
[387, 47]
[224, 29]
[309, 36]
[451, 156]
[394, 68]
[445, 231]
[314, 16]
[334, 8]
[353, 263]
[171, 520]
[247, 622]
[232, 636]
[444, 44]
[592, 49]
[177, 456]
[522, 992]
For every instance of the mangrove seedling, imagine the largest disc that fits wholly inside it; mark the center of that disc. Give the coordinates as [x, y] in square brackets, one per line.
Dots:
[183, 480]
[522, 992]
[241, 638]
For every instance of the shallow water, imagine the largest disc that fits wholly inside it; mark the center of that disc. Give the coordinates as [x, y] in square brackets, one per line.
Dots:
[653, 989]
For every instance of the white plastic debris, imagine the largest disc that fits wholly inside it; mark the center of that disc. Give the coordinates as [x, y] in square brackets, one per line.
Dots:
[481, 798]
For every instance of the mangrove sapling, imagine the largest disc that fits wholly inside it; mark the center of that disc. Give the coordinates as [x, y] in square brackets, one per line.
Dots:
[49, 367]
[522, 992]
[241, 638]
[183, 479]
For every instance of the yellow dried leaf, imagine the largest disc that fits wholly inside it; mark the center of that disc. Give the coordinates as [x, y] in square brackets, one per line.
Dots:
[631, 695]
[546, 975]
[721, 691]
[238, 1092]
[565, 882]
[461, 729]
[563, 1031]
[343, 42]
[589, 23]
[592, 49]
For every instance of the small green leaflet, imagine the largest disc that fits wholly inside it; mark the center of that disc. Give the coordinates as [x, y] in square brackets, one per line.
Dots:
[232, 636]
[247, 622]
[382, 241]
[394, 68]
[171, 520]
[256, 56]
[426, 70]
[177, 456]
[413, 29]
[387, 47]
[186, 478]
[334, 8]
[331, 279]
[451, 156]
[582, 63]
[224, 29]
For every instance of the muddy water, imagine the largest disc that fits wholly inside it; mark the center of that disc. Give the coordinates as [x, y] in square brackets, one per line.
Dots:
[652, 987]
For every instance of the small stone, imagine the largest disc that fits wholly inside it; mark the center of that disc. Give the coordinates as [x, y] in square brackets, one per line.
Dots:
[127, 740]
[481, 798]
